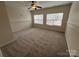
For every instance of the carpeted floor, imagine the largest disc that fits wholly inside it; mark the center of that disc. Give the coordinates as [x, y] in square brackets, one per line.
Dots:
[37, 42]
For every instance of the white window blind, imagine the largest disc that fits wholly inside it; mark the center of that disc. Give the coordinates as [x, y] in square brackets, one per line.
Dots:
[38, 19]
[54, 19]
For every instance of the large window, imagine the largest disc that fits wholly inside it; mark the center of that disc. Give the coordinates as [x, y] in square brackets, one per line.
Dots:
[54, 19]
[38, 19]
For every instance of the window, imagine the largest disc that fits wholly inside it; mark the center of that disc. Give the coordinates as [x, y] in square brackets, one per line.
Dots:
[38, 19]
[54, 19]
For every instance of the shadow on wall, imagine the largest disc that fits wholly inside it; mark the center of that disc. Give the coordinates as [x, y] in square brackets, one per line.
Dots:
[19, 16]
[5, 30]
[72, 31]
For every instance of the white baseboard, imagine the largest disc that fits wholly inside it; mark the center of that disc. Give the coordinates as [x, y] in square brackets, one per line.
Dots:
[1, 55]
[74, 28]
[7, 43]
[13, 39]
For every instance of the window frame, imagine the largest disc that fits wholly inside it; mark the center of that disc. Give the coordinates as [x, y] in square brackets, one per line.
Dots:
[38, 23]
[55, 13]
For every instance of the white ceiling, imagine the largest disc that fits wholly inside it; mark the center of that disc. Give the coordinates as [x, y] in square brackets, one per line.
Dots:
[53, 3]
[44, 4]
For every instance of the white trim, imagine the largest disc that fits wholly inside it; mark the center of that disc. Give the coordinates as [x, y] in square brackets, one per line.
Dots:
[1, 55]
[73, 27]
[7, 42]
[14, 37]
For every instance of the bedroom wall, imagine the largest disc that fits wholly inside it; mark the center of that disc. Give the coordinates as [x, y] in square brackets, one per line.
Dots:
[65, 9]
[1, 53]
[72, 31]
[5, 29]
[19, 16]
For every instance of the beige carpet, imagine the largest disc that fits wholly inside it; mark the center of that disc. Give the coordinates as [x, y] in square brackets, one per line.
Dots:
[37, 42]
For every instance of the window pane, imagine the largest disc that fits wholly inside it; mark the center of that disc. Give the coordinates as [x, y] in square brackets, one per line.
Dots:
[38, 19]
[54, 19]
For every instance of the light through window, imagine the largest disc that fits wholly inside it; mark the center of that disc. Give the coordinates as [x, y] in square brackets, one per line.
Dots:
[38, 19]
[54, 19]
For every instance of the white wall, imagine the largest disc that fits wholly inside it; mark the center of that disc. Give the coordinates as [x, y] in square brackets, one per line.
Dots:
[12, 19]
[5, 29]
[19, 16]
[72, 31]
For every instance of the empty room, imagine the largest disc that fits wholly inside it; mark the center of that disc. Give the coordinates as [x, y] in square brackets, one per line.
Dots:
[39, 28]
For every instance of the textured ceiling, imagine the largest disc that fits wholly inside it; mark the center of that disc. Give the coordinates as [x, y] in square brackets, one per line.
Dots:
[53, 3]
[44, 4]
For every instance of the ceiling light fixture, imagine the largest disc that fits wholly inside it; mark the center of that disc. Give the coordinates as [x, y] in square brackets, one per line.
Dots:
[34, 6]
